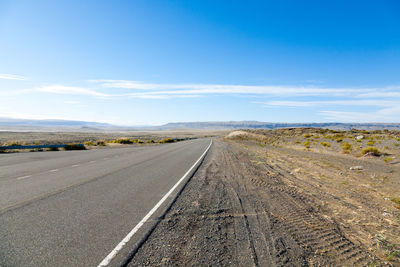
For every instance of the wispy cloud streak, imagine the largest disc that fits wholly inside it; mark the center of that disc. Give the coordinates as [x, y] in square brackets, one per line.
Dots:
[70, 90]
[376, 103]
[192, 88]
[5, 76]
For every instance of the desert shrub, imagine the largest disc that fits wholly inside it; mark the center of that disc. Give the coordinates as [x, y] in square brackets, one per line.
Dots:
[372, 150]
[388, 159]
[75, 147]
[167, 140]
[14, 143]
[346, 147]
[339, 139]
[317, 137]
[89, 143]
[123, 141]
[325, 144]
[339, 135]
[307, 144]
[149, 141]
[100, 143]
[297, 142]
[358, 141]
[386, 147]
[396, 144]
[307, 135]
[370, 143]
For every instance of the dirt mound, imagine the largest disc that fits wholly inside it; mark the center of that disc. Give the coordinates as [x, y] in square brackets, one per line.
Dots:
[244, 135]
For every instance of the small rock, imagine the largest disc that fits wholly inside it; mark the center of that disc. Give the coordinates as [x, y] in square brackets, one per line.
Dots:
[340, 173]
[385, 214]
[359, 137]
[356, 168]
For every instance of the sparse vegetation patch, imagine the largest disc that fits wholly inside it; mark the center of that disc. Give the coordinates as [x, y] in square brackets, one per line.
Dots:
[371, 151]
[325, 144]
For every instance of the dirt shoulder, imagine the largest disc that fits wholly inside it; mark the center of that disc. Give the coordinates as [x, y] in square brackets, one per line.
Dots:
[240, 210]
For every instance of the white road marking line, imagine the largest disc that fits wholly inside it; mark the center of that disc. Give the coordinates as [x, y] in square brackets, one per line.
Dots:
[55, 170]
[121, 244]
[24, 177]
[76, 165]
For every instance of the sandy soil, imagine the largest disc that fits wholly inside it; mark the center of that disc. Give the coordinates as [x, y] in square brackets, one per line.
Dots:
[255, 204]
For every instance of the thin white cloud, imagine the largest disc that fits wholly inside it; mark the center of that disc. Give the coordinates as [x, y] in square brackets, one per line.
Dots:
[192, 88]
[377, 103]
[5, 76]
[70, 90]
[378, 94]
[160, 96]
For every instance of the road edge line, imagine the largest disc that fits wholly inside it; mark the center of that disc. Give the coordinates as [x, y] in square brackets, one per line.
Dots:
[128, 237]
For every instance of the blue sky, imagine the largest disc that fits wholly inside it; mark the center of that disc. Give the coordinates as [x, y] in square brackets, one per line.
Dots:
[153, 62]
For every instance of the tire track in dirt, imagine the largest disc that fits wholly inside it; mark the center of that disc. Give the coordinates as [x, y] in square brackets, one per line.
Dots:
[235, 212]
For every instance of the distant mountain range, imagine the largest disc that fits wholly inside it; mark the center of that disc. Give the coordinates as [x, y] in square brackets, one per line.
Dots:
[50, 123]
[9, 124]
[273, 125]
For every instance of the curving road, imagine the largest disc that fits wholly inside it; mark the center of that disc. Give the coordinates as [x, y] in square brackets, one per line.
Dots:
[71, 208]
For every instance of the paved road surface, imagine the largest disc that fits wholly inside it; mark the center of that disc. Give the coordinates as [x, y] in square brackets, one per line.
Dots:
[71, 208]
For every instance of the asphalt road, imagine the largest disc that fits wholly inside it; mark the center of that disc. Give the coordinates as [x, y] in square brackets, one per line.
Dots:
[71, 208]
